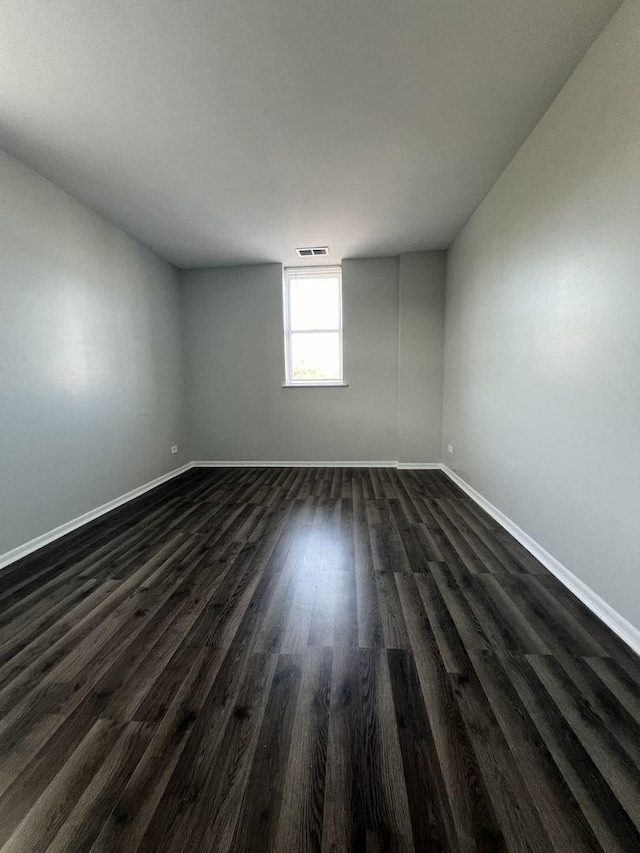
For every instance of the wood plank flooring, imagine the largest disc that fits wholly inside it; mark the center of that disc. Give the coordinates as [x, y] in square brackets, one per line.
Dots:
[308, 660]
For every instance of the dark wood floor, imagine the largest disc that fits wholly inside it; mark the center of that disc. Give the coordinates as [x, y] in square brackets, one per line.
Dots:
[309, 659]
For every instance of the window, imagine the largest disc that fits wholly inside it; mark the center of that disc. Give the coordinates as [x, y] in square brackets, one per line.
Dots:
[313, 326]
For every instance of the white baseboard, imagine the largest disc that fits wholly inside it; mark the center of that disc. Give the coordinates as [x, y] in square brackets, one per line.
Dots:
[270, 464]
[33, 545]
[419, 466]
[618, 624]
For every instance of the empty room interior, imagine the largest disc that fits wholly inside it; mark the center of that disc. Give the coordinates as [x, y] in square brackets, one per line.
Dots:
[320, 426]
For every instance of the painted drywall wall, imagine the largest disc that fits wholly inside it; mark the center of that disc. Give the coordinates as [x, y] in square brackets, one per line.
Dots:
[91, 379]
[237, 407]
[542, 354]
[421, 323]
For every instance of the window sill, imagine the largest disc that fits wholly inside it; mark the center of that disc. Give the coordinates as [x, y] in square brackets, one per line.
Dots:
[315, 384]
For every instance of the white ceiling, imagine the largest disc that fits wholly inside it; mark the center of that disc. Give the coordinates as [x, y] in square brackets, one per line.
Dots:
[233, 131]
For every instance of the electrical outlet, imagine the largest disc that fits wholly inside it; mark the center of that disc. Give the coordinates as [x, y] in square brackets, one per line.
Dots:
[450, 448]
[174, 449]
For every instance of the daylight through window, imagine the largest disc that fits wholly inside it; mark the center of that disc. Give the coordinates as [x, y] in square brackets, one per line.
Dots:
[313, 325]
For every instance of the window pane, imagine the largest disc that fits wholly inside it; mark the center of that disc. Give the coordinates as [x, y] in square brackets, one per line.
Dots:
[315, 303]
[315, 357]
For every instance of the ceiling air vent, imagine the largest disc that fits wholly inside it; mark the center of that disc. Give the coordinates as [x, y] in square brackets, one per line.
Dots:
[312, 251]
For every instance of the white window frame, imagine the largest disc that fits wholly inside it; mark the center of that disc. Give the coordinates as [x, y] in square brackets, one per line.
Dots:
[291, 274]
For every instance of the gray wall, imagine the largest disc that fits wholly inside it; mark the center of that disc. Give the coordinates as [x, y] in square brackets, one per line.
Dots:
[91, 385]
[542, 359]
[421, 283]
[238, 409]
